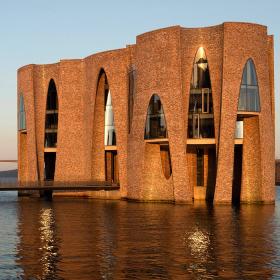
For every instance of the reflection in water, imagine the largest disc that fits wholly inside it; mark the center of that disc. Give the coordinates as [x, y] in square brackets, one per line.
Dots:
[49, 248]
[89, 239]
[198, 242]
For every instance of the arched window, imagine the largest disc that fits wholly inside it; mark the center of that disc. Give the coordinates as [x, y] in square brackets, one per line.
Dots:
[21, 114]
[249, 91]
[51, 121]
[201, 115]
[109, 133]
[155, 121]
[131, 94]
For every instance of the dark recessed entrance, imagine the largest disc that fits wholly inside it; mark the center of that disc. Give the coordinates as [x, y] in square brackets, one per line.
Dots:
[237, 174]
[211, 178]
[49, 166]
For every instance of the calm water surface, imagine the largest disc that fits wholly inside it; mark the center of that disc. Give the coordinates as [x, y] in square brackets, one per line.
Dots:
[90, 239]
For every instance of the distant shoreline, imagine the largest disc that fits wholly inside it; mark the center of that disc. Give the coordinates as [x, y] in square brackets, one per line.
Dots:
[13, 173]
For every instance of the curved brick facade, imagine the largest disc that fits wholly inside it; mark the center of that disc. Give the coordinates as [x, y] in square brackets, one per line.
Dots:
[163, 62]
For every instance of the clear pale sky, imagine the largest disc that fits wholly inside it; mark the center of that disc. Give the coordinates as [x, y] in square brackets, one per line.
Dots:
[37, 31]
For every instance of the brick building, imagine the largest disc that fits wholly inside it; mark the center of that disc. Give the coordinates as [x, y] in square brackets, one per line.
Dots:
[183, 114]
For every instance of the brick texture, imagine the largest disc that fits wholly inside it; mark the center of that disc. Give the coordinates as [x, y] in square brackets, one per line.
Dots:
[163, 62]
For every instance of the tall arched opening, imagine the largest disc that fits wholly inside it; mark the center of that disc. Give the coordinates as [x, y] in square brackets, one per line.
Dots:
[105, 165]
[156, 133]
[246, 180]
[201, 144]
[22, 130]
[51, 125]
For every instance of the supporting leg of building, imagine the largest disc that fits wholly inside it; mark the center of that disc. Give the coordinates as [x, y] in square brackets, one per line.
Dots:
[46, 194]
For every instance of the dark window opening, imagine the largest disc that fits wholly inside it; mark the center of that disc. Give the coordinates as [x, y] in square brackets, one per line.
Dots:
[200, 167]
[211, 174]
[201, 114]
[51, 120]
[51, 140]
[52, 100]
[237, 174]
[155, 121]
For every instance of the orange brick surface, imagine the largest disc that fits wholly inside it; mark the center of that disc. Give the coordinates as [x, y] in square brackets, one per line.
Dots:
[163, 60]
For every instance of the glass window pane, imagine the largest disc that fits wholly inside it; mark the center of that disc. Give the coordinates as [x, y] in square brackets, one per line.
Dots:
[252, 98]
[21, 114]
[155, 121]
[109, 133]
[195, 126]
[242, 99]
[249, 93]
[239, 129]
[244, 76]
[206, 128]
[50, 140]
[205, 100]
[252, 73]
[195, 104]
[200, 100]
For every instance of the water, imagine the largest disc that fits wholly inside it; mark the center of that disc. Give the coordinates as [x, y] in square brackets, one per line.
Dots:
[91, 239]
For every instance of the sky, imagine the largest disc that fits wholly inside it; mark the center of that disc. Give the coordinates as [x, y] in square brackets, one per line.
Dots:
[37, 31]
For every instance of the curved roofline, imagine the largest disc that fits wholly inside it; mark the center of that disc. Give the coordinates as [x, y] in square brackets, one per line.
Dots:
[103, 52]
[245, 22]
[143, 35]
[70, 59]
[157, 30]
[200, 27]
[33, 65]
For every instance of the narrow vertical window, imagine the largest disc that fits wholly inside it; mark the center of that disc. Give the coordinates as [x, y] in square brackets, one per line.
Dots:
[51, 126]
[109, 134]
[21, 115]
[131, 94]
[239, 129]
[249, 91]
[51, 121]
[201, 115]
[155, 121]
[104, 116]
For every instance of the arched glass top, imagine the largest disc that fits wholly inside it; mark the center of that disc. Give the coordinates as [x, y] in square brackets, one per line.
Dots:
[52, 100]
[200, 116]
[155, 121]
[249, 91]
[201, 76]
[51, 121]
[21, 114]
[109, 133]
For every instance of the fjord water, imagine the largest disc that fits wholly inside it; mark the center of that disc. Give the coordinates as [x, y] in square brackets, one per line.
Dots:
[94, 239]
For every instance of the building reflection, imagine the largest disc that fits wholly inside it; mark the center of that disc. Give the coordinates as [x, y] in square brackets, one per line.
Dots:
[38, 249]
[120, 240]
[49, 243]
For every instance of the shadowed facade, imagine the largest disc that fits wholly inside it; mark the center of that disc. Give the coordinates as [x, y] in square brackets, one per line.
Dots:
[183, 114]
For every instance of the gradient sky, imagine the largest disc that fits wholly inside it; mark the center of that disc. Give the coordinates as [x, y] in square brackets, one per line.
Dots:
[37, 31]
